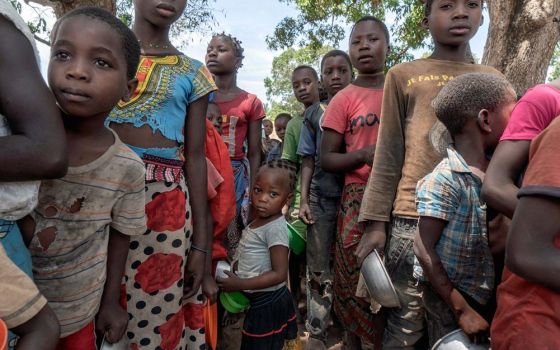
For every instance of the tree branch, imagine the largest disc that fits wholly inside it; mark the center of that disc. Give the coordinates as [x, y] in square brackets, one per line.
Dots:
[41, 40]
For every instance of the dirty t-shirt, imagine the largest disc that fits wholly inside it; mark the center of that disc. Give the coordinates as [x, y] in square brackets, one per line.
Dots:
[70, 243]
[355, 113]
[408, 135]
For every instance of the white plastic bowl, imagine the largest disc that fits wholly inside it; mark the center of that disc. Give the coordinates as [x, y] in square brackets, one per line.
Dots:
[458, 340]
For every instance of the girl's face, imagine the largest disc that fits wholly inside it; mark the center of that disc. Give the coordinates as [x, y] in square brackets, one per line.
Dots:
[306, 86]
[160, 13]
[336, 74]
[280, 125]
[220, 56]
[270, 192]
[368, 47]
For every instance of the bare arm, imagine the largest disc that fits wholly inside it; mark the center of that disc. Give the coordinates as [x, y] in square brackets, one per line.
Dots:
[307, 169]
[427, 235]
[112, 319]
[254, 154]
[336, 161]
[40, 332]
[37, 148]
[195, 165]
[278, 274]
[500, 184]
[530, 251]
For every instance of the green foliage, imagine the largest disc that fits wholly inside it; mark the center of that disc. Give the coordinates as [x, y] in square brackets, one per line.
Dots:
[198, 17]
[323, 22]
[279, 83]
[554, 67]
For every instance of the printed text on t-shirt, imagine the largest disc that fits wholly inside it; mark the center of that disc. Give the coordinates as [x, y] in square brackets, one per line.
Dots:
[369, 120]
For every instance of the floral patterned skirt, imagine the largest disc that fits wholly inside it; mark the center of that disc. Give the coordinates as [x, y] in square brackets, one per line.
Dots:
[159, 318]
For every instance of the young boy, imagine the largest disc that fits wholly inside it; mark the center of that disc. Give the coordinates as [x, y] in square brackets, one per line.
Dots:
[404, 154]
[305, 83]
[280, 124]
[451, 243]
[528, 315]
[79, 233]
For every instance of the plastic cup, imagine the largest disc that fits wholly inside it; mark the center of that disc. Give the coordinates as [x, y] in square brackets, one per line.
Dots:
[234, 302]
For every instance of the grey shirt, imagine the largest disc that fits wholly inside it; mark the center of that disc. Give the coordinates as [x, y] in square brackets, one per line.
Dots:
[253, 254]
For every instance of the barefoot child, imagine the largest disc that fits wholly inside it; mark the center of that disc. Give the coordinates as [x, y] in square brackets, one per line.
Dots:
[320, 199]
[261, 262]
[242, 113]
[350, 127]
[164, 123]
[455, 263]
[79, 233]
[406, 152]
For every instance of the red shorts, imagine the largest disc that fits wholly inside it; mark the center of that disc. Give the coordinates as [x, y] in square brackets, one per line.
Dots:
[84, 339]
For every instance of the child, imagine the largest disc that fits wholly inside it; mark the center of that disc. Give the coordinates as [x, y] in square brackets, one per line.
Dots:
[37, 150]
[267, 143]
[528, 315]
[350, 127]
[242, 113]
[404, 154]
[262, 262]
[164, 123]
[305, 83]
[79, 233]
[533, 113]
[320, 198]
[280, 124]
[451, 243]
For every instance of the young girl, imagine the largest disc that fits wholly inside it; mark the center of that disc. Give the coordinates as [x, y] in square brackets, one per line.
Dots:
[268, 144]
[350, 126]
[320, 198]
[164, 123]
[261, 262]
[242, 113]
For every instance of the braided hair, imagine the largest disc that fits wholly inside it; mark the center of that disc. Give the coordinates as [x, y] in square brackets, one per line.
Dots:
[235, 43]
[283, 165]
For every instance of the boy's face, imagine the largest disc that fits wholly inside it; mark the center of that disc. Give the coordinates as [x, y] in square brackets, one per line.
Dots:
[267, 126]
[336, 74]
[499, 119]
[368, 47]
[88, 70]
[160, 13]
[280, 126]
[220, 56]
[453, 22]
[305, 86]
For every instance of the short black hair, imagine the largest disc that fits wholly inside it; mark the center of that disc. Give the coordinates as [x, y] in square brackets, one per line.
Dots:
[267, 120]
[376, 20]
[283, 115]
[286, 166]
[336, 53]
[130, 43]
[304, 66]
[465, 96]
[428, 7]
[235, 43]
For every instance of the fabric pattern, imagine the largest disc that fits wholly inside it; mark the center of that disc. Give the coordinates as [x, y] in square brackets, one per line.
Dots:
[241, 171]
[70, 242]
[452, 193]
[352, 311]
[166, 87]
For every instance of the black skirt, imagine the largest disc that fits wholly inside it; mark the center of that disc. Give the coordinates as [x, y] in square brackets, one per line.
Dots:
[270, 320]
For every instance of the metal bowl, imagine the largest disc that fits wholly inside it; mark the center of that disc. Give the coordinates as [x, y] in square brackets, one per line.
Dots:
[377, 280]
[221, 267]
[458, 340]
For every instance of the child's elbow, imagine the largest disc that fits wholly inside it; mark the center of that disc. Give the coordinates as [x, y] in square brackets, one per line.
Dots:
[517, 263]
[53, 167]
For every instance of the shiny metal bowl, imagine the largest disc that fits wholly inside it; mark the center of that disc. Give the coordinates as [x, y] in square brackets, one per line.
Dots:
[221, 267]
[458, 340]
[378, 282]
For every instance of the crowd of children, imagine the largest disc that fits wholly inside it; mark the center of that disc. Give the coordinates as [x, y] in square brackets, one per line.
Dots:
[154, 167]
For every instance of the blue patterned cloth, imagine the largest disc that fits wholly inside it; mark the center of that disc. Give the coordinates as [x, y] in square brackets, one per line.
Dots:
[452, 193]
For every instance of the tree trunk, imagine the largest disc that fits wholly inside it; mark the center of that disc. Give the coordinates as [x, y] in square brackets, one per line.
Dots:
[63, 6]
[521, 39]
